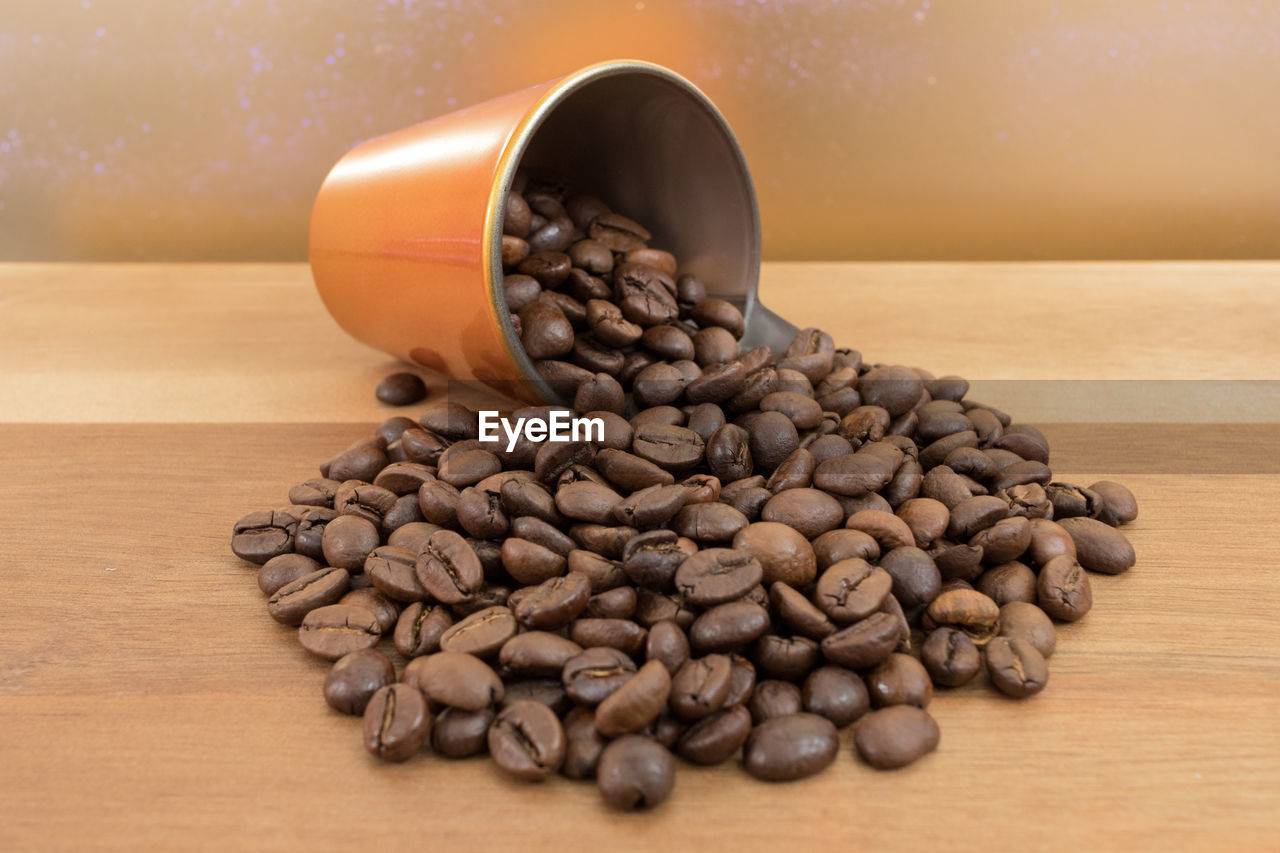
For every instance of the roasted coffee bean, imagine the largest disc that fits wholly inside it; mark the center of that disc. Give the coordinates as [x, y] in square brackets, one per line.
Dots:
[701, 687]
[284, 569]
[538, 654]
[969, 610]
[583, 744]
[590, 677]
[621, 634]
[1015, 667]
[784, 554]
[402, 389]
[1063, 590]
[895, 736]
[635, 772]
[950, 657]
[544, 691]
[455, 679]
[1048, 540]
[385, 611]
[259, 536]
[293, 601]
[790, 747]
[836, 545]
[1099, 547]
[482, 633]
[1119, 506]
[651, 559]
[916, 580]
[787, 658]
[670, 447]
[616, 603]
[419, 628]
[354, 678]
[531, 563]
[527, 741]
[1028, 622]
[715, 738]
[449, 569]
[667, 643]
[864, 643]
[774, 699]
[716, 576]
[728, 626]
[460, 734]
[636, 703]
[709, 522]
[886, 528]
[348, 541]
[811, 512]
[852, 589]
[392, 571]
[899, 680]
[397, 722]
[837, 694]
[316, 492]
[651, 507]
[1008, 582]
[554, 603]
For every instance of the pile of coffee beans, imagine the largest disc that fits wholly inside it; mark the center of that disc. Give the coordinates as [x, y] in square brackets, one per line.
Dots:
[762, 549]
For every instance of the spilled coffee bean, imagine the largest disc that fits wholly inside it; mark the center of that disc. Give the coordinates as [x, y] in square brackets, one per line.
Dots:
[761, 549]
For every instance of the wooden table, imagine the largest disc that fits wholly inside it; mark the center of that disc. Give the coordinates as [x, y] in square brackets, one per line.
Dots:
[146, 700]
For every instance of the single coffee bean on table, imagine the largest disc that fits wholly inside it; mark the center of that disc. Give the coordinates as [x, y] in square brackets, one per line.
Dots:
[759, 549]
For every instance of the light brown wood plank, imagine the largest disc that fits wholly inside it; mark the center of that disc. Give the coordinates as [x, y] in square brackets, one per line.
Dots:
[252, 342]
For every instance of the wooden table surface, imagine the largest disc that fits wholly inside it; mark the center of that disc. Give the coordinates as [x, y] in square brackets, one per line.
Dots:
[146, 699]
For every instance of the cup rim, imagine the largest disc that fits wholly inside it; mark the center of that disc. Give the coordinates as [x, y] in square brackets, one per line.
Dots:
[509, 161]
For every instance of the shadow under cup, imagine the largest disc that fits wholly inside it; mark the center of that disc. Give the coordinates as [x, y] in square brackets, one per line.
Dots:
[406, 232]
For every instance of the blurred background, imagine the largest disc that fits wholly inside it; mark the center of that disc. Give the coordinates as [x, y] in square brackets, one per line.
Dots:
[880, 129]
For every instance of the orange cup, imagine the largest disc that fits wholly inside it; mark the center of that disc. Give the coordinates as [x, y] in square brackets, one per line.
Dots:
[406, 231]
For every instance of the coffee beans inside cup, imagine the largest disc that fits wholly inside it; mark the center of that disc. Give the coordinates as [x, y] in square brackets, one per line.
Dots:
[757, 550]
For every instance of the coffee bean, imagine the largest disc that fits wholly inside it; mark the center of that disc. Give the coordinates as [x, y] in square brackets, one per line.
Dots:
[1015, 667]
[715, 738]
[851, 589]
[1099, 547]
[402, 389]
[1063, 590]
[590, 677]
[259, 536]
[583, 744]
[397, 722]
[811, 512]
[670, 447]
[701, 687]
[348, 541]
[293, 601]
[1028, 622]
[864, 643]
[969, 610]
[916, 580]
[554, 603]
[419, 629]
[790, 747]
[1008, 582]
[899, 680]
[621, 634]
[837, 694]
[460, 734]
[392, 570]
[448, 569]
[284, 569]
[354, 678]
[482, 633]
[455, 679]
[836, 545]
[774, 699]
[527, 741]
[717, 575]
[895, 736]
[950, 657]
[728, 626]
[634, 772]
[636, 703]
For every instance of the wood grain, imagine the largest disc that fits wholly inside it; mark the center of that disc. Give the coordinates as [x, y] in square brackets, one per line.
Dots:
[146, 700]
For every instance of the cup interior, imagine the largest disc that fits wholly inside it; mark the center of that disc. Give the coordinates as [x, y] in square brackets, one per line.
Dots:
[653, 148]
